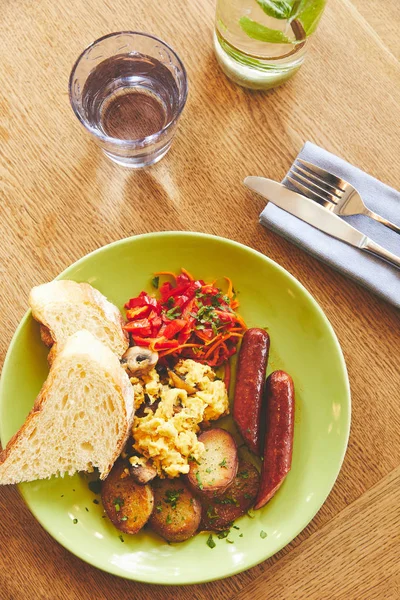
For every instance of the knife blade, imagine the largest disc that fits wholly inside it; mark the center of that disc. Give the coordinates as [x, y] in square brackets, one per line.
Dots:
[309, 211]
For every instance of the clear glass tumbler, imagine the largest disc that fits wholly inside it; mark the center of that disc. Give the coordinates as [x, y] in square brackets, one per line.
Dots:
[262, 43]
[128, 90]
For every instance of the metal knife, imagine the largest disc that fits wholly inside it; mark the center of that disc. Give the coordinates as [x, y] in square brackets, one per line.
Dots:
[309, 211]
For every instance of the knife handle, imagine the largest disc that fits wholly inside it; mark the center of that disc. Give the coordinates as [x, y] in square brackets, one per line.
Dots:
[377, 250]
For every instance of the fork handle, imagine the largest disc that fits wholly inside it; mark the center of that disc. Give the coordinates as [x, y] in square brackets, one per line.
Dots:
[380, 219]
[378, 250]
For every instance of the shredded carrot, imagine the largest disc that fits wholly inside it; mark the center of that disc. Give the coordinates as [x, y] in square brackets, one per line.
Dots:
[170, 273]
[229, 293]
[187, 274]
[172, 350]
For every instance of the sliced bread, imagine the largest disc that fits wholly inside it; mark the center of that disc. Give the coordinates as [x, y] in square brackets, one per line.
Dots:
[64, 307]
[81, 418]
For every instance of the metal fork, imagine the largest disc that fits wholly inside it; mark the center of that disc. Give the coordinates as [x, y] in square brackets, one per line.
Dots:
[330, 191]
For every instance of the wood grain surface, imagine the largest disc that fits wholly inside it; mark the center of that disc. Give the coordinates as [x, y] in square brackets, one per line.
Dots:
[61, 198]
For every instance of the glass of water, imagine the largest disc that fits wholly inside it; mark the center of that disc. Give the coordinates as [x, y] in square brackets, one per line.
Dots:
[128, 90]
[262, 43]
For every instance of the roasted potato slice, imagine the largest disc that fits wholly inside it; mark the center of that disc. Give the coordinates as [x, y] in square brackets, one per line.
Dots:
[217, 468]
[128, 505]
[177, 513]
[219, 511]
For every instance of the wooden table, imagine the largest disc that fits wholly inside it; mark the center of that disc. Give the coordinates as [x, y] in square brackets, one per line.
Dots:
[61, 198]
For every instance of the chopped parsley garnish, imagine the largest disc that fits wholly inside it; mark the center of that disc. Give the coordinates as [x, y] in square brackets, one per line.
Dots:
[263, 535]
[230, 541]
[155, 281]
[208, 470]
[168, 520]
[240, 534]
[223, 463]
[227, 500]
[243, 474]
[250, 513]
[236, 527]
[86, 508]
[75, 521]
[172, 497]
[159, 507]
[118, 502]
[95, 501]
[211, 513]
[125, 518]
[210, 541]
[173, 313]
[170, 302]
[95, 486]
[199, 480]
[248, 496]
[223, 534]
[121, 538]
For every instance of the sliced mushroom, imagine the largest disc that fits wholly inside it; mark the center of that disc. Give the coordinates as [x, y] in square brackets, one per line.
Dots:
[142, 474]
[181, 383]
[138, 360]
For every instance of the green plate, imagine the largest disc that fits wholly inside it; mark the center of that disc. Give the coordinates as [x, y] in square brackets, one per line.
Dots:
[302, 343]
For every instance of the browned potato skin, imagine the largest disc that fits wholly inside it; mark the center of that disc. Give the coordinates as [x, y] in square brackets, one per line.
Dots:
[136, 501]
[221, 510]
[174, 524]
[209, 475]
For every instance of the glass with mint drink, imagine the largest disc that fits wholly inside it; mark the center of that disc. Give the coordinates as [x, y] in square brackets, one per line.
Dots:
[261, 43]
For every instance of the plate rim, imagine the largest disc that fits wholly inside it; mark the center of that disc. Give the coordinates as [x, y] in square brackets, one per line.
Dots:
[252, 563]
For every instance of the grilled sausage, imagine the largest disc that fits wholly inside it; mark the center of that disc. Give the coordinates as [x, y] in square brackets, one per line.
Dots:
[278, 436]
[249, 388]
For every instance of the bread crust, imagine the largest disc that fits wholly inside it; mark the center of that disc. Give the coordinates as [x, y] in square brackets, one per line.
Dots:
[69, 291]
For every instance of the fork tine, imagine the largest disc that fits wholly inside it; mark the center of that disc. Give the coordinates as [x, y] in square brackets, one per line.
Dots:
[313, 187]
[309, 193]
[321, 183]
[328, 177]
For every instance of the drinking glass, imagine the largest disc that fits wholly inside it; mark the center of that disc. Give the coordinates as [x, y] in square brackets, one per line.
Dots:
[128, 90]
[262, 43]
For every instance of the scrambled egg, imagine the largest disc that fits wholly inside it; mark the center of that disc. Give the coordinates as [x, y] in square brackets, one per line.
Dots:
[167, 435]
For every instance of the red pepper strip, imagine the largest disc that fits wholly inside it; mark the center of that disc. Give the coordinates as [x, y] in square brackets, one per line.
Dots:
[179, 289]
[226, 316]
[165, 291]
[164, 344]
[142, 300]
[188, 308]
[181, 300]
[187, 274]
[141, 326]
[139, 311]
[227, 375]
[141, 341]
[173, 328]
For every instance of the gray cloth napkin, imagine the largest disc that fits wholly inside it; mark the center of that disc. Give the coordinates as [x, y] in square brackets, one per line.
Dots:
[371, 272]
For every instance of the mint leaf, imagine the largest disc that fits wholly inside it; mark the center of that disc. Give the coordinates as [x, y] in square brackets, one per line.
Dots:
[309, 13]
[263, 34]
[278, 9]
